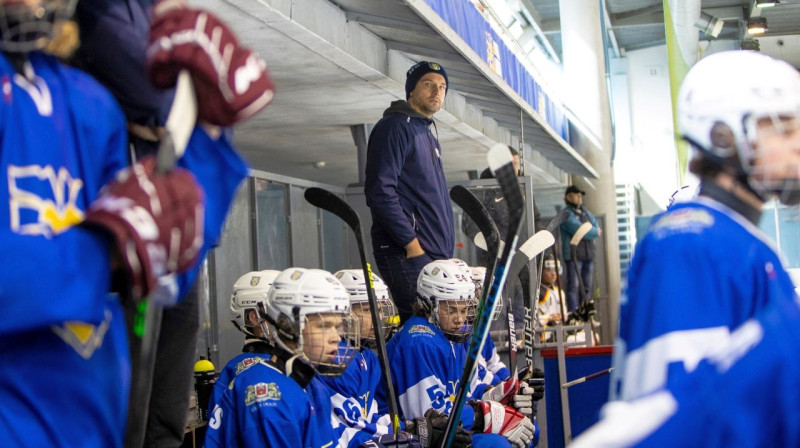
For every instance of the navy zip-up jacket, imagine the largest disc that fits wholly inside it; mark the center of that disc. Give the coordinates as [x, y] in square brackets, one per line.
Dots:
[405, 186]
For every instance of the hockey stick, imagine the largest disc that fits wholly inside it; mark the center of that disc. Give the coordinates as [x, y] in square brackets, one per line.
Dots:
[573, 248]
[179, 125]
[326, 200]
[501, 164]
[554, 224]
[481, 217]
[587, 378]
[535, 245]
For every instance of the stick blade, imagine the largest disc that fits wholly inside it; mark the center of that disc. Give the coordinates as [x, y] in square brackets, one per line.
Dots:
[537, 244]
[580, 233]
[498, 156]
[479, 241]
[324, 199]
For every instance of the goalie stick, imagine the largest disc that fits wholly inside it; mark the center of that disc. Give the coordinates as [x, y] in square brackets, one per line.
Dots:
[502, 165]
[326, 200]
[179, 125]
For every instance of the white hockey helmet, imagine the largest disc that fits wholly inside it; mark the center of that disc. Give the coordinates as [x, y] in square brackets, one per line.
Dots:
[353, 281]
[478, 273]
[27, 26]
[250, 292]
[720, 103]
[299, 296]
[446, 281]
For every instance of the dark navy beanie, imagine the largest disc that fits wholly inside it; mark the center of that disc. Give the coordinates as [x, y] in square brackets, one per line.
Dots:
[419, 70]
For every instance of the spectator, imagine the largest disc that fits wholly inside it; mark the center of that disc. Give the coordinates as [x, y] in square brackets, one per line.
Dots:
[582, 262]
[405, 187]
[550, 296]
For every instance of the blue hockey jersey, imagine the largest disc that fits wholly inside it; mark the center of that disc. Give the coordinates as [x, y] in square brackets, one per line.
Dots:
[55, 162]
[63, 137]
[745, 395]
[700, 271]
[491, 370]
[257, 405]
[426, 368]
[353, 400]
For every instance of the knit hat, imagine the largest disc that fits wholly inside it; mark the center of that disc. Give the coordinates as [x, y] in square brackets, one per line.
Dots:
[419, 70]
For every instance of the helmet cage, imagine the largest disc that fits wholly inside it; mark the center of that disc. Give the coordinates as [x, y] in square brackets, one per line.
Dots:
[445, 280]
[299, 294]
[25, 28]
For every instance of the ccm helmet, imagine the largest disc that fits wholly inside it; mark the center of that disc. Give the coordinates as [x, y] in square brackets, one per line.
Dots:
[722, 100]
[353, 281]
[249, 293]
[304, 308]
[447, 294]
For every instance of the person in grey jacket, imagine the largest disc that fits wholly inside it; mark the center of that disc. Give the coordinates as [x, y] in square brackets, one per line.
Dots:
[584, 258]
[405, 186]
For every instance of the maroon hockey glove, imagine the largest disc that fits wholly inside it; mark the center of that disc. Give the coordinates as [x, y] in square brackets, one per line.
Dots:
[230, 80]
[156, 220]
[494, 418]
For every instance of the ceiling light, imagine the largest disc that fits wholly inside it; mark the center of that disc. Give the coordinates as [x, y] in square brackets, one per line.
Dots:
[756, 25]
[767, 3]
[709, 24]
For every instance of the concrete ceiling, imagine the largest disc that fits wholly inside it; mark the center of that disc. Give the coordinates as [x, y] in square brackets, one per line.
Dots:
[340, 63]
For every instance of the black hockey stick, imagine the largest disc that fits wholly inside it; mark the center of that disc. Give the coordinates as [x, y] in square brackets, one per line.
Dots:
[179, 125]
[586, 378]
[326, 200]
[573, 247]
[481, 217]
[502, 165]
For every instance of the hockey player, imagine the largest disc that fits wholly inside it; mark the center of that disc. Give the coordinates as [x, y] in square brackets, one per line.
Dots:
[427, 358]
[277, 400]
[115, 36]
[353, 393]
[75, 216]
[249, 291]
[746, 153]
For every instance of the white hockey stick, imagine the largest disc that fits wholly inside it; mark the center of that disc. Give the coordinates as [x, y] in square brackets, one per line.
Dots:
[580, 233]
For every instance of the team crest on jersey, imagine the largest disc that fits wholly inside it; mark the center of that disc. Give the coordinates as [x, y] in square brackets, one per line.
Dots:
[83, 337]
[43, 200]
[420, 329]
[261, 392]
[684, 220]
[245, 364]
